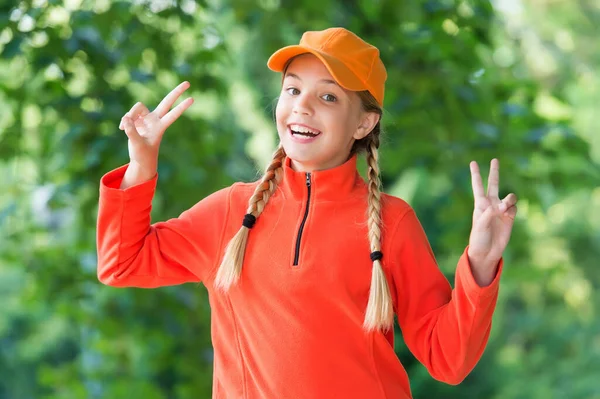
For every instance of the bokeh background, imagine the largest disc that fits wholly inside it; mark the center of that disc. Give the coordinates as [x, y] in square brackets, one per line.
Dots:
[468, 79]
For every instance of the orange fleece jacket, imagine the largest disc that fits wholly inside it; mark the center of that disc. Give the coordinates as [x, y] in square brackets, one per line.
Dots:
[292, 327]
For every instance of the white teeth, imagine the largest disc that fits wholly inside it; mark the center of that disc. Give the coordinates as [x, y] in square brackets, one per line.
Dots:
[303, 129]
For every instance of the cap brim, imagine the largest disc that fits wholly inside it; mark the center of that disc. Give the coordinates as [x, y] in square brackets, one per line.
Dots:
[340, 72]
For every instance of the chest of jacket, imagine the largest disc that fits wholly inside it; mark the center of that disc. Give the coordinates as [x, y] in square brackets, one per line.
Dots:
[302, 246]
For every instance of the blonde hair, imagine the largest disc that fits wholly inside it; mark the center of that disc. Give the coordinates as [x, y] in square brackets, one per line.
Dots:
[379, 313]
[231, 267]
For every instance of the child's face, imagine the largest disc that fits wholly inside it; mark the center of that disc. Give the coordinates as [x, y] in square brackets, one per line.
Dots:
[311, 98]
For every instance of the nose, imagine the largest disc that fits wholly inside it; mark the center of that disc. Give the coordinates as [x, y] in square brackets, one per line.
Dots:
[303, 105]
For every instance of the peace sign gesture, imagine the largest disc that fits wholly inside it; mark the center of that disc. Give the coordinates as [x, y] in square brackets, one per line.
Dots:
[493, 220]
[145, 129]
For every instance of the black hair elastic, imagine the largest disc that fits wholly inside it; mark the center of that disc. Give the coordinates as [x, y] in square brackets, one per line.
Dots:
[249, 220]
[376, 255]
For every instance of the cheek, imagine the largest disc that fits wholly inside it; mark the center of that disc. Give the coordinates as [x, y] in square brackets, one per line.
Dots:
[280, 118]
[342, 124]
[280, 112]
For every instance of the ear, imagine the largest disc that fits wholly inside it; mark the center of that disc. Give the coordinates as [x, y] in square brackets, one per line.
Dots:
[367, 123]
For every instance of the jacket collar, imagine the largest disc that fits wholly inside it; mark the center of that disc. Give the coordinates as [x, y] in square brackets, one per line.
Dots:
[339, 183]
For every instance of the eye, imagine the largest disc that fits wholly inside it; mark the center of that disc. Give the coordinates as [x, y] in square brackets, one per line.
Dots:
[292, 91]
[329, 98]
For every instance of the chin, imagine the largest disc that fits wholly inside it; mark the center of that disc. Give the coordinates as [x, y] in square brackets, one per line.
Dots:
[297, 154]
[307, 161]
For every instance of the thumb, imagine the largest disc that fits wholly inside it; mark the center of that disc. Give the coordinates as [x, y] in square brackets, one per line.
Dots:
[130, 130]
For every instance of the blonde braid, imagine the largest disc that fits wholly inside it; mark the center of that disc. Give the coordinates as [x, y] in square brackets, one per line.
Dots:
[380, 313]
[230, 269]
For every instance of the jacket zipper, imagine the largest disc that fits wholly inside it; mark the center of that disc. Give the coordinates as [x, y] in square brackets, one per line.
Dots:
[297, 255]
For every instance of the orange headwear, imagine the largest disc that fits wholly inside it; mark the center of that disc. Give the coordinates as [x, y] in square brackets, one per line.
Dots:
[354, 64]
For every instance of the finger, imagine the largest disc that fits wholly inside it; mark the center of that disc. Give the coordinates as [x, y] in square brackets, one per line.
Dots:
[138, 110]
[176, 112]
[493, 179]
[166, 104]
[130, 129]
[476, 181]
[511, 212]
[507, 202]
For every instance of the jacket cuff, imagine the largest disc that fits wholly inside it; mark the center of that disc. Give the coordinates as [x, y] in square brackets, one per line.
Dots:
[110, 185]
[464, 276]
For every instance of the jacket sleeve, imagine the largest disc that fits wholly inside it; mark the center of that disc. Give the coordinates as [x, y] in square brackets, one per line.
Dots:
[446, 329]
[134, 253]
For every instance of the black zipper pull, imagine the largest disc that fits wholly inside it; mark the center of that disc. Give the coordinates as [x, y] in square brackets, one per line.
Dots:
[308, 179]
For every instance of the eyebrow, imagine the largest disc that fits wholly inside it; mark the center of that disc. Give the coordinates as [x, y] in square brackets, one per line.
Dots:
[328, 81]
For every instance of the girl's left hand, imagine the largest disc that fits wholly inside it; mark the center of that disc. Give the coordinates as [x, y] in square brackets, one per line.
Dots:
[493, 220]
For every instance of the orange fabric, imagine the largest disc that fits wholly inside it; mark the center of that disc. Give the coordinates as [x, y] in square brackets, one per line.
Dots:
[353, 63]
[290, 331]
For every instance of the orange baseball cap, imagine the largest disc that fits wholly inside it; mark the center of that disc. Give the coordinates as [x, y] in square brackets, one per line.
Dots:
[354, 64]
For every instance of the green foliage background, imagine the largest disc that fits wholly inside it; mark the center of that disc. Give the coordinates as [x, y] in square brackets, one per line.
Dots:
[468, 79]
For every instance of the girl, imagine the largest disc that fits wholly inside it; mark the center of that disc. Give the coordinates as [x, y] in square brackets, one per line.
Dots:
[306, 268]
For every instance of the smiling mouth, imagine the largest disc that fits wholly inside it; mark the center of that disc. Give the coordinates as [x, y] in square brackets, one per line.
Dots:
[304, 131]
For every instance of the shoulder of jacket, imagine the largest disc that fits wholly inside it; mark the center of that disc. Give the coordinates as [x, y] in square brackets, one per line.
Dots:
[241, 191]
[227, 196]
[394, 206]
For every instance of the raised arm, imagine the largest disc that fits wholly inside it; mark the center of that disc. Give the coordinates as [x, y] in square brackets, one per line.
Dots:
[131, 251]
[447, 329]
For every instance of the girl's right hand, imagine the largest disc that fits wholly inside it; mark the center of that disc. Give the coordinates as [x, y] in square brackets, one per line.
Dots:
[145, 129]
